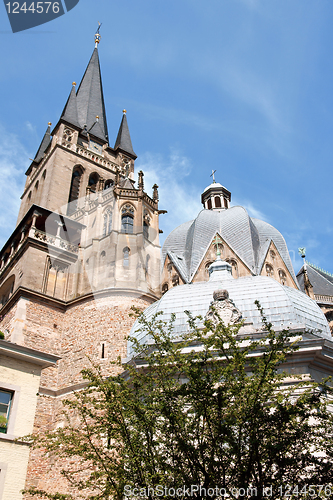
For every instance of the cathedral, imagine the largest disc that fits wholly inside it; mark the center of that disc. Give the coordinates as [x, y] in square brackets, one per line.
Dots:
[86, 249]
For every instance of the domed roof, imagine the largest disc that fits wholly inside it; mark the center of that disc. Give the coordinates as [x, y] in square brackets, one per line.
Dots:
[249, 238]
[283, 306]
[214, 185]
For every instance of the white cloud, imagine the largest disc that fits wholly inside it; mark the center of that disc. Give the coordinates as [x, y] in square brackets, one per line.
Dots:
[13, 163]
[177, 194]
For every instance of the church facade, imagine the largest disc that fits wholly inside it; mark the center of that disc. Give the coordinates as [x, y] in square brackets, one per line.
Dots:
[86, 249]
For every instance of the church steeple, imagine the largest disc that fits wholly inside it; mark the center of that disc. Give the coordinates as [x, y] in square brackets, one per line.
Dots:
[69, 113]
[44, 144]
[90, 100]
[123, 140]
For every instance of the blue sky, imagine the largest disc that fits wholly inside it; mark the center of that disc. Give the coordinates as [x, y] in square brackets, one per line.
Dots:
[241, 86]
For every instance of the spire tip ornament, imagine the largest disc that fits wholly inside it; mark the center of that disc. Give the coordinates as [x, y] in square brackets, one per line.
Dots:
[124, 111]
[97, 35]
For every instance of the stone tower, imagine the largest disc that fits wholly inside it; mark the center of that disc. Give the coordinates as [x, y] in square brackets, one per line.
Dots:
[84, 251]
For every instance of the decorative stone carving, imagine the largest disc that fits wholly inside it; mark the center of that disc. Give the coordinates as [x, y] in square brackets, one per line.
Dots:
[223, 309]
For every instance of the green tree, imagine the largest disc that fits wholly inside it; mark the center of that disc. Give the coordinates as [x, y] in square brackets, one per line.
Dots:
[210, 410]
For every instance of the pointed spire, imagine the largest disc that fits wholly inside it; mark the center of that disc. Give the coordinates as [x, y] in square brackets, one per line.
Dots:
[90, 99]
[123, 140]
[44, 144]
[69, 113]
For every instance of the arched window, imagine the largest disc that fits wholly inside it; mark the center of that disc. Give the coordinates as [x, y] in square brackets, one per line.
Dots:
[107, 222]
[269, 270]
[165, 287]
[234, 266]
[74, 190]
[272, 254]
[6, 290]
[217, 202]
[37, 185]
[283, 277]
[175, 280]
[126, 252]
[146, 223]
[93, 180]
[108, 184]
[127, 219]
[225, 202]
[44, 174]
[145, 229]
[209, 204]
[207, 267]
[147, 265]
[29, 196]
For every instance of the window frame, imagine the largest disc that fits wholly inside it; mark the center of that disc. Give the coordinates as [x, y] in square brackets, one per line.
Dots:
[15, 390]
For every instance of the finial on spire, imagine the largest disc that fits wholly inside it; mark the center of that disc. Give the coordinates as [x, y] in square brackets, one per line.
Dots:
[49, 124]
[302, 251]
[74, 84]
[213, 175]
[97, 35]
[124, 111]
[97, 118]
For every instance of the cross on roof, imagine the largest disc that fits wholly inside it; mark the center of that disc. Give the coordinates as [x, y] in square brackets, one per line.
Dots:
[212, 175]
[217, 241]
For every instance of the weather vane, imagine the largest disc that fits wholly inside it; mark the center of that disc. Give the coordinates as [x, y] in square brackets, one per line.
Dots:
[213, 175]
[97, 35]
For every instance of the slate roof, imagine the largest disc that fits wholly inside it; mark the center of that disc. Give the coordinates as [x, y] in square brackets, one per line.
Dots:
[43, 145]
[123, 140]
[248, 238]
[322, 283]
[69, 113]
[90, 99]
[284, 307]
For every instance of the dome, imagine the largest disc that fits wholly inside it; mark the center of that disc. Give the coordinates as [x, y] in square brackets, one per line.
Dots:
[283, 306]
[248, 237]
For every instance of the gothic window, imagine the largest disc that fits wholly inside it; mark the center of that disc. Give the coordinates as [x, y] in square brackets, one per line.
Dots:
[93, 180]
[207, 267]
[147, 265]
[37, 185]
[74, 190]
[145, 229]
[102, 256]
[29, 196]
[146, 223]
[126, 252]
[269, 270]
[175, 280]
[209, 204]
[6, 290]
[107, 222]
[169, 267]
[283, 277]
[108, 184]
[234, 266]
[68, 135]
[217, 202]
[127, 219]
[165, 288]
[272, 254]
